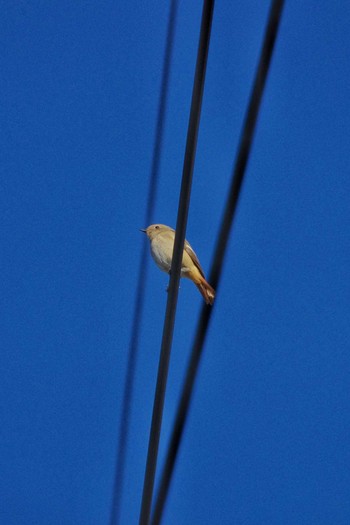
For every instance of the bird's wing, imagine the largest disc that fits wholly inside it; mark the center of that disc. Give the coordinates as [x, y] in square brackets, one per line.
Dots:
[190, 251]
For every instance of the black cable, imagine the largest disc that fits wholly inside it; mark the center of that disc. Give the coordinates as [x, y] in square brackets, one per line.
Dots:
[219, 253]
[185, 193]
[140, 290]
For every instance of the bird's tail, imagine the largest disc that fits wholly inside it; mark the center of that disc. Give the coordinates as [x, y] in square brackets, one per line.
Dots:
[206, 290]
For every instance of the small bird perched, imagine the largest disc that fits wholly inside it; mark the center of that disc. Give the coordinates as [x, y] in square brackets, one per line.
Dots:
[162, 240]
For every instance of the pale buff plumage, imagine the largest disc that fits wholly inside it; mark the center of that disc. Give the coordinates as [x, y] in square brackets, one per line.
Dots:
[162, 244]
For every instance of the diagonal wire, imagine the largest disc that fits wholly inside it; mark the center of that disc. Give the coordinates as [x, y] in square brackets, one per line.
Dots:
[184, 201]
[219, 253]
[140, 294]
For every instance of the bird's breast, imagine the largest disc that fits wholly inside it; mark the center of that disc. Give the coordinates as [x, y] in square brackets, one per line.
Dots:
[162, 252]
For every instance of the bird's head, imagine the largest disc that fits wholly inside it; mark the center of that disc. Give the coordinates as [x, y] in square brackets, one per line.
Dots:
[155, 229]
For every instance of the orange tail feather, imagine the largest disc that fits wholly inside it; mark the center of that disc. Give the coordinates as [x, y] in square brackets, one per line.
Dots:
[206, 290]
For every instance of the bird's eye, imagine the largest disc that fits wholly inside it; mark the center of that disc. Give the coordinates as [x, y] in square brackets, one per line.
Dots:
[157, 227]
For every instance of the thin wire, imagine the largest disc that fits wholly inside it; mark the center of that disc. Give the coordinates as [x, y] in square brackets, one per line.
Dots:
[219, 253]
[184, 201]
[143, 267]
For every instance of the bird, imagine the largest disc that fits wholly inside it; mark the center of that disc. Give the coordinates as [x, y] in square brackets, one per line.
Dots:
[162, 240]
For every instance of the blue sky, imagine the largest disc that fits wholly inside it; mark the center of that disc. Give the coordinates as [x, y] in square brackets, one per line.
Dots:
[267, 441]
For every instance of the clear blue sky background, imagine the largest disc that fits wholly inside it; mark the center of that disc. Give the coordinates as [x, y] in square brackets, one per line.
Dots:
[267, 440]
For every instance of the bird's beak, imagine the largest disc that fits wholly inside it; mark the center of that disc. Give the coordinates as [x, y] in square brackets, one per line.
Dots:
[142, 230]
